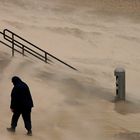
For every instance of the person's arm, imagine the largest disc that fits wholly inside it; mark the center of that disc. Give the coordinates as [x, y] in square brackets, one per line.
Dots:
[12, 105]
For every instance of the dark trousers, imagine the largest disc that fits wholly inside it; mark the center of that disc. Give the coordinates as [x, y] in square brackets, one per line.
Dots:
[26, 115]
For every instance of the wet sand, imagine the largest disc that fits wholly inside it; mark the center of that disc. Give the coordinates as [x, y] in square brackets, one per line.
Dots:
[95, 36]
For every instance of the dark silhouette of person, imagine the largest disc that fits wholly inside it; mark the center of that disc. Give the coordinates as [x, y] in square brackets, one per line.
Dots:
[21, 104]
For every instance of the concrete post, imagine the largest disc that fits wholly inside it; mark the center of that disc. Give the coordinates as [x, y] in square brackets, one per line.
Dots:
[120, 83]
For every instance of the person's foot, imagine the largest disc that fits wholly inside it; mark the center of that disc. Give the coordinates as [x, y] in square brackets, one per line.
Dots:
[11, 129]
[29, 133]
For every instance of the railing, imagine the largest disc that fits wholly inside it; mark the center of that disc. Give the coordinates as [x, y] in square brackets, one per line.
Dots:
[17, 42]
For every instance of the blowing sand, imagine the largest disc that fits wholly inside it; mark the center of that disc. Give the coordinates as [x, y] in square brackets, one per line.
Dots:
[95, 36]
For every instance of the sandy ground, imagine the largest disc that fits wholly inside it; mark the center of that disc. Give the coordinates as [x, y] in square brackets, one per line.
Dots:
[95, 36]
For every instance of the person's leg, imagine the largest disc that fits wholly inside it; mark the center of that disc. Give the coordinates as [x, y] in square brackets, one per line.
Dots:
[26, 114]
[15, 117]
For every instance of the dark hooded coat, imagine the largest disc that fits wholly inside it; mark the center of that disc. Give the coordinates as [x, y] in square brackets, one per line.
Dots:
[20, 95]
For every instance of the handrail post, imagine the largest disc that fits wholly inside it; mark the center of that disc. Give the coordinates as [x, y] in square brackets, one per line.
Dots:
[23, 50]
[45, 57]
[12, 44]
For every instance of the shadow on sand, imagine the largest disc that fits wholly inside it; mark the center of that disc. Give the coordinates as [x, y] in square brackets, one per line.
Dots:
[128, 136]
[127, 107]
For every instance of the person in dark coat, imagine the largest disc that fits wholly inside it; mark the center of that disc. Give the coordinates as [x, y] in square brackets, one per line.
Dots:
[21, 104]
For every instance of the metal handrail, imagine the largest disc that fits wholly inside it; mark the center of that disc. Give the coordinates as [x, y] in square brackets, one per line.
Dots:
[27, 49]
[9, 45]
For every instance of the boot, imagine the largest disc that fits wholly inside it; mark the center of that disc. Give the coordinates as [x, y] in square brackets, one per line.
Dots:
[29, 133]
[11, 129]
